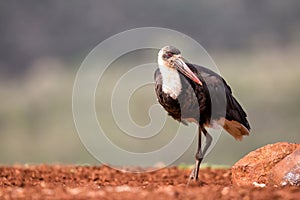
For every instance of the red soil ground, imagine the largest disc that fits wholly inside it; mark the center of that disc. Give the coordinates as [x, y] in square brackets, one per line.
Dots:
[102, 182]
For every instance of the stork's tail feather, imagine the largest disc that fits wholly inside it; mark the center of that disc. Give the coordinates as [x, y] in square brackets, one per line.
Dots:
[235, 129]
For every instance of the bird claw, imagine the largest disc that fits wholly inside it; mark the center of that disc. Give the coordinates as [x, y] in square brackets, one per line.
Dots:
[192, 177]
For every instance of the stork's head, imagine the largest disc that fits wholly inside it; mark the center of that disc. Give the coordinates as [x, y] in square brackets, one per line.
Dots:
[171, 58]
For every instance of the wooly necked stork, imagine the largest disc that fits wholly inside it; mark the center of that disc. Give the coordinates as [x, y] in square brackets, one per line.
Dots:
[189, 93]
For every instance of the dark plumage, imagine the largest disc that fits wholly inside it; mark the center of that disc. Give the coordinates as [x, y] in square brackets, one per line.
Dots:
[234, 111]
[196, 97]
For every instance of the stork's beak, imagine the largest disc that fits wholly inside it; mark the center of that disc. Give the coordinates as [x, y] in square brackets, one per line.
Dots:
[184, 69]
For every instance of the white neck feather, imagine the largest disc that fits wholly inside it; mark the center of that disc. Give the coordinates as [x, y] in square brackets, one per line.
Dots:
[171, 83]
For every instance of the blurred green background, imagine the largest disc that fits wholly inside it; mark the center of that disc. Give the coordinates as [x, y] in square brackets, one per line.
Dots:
[255, 44]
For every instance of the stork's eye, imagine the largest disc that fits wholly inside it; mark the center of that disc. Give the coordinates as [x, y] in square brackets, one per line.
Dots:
[168, 55]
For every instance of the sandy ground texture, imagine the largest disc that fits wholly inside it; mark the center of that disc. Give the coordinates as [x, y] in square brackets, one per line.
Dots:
[102, 182]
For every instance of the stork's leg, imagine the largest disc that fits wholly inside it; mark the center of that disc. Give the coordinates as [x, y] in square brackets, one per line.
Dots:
[199, 158]
[207, 142]
[200, 154]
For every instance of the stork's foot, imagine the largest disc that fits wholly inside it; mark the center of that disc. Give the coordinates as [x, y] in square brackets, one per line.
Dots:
[195, 172]
[194, 180]
[192, 177]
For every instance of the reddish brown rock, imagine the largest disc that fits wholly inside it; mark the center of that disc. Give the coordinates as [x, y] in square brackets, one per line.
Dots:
[255, 167]
[287, 171]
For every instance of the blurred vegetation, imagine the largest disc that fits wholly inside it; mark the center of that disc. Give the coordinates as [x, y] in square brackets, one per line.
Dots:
[255, 44]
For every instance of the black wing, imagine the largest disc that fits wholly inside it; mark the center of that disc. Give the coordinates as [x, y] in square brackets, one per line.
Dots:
[218, 90]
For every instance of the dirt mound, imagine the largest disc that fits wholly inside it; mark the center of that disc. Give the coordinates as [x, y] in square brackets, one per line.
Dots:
[257, 165]
[102, 182]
